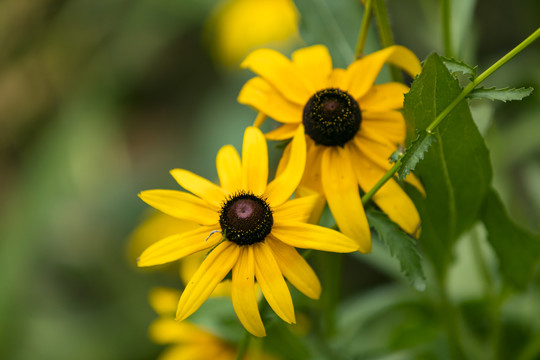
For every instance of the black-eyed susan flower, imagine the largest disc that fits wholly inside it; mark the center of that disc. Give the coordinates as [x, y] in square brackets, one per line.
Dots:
[187, 340]
[251, 227]
[352, 127]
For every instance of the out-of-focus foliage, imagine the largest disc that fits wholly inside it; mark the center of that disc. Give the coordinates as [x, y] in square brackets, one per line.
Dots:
[99, 99]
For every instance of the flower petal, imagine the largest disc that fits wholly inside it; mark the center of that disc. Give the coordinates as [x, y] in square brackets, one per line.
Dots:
[309, 236]
[212, 270]
[262, 96]
[339, 79]
[391, 198]
[283, 132]
[168, 330]
[414, 181]
[163, 300]
[384, 97]
[181, 205]
[243, 293]
[315, 64]
[199, 186]
[229, 168]
[283, 186]
[281, 73]
[295, 268]
[384, 127]
[298, 209]
[362, 73]
[272, 284]
[341, 190]
[254, 161]
[312, 172]
[259, 120]
[177, 246]
[377, 152]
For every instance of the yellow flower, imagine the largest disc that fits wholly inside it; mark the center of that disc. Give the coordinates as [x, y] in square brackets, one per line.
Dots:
[239, 26]
[260, 225]
[189, 341]
[352, 127]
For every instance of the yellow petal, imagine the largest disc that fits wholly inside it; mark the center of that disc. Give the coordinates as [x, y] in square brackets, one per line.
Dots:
[177, 246]
[254, 161]
[362, 73]
[243, 293]
[272, 284]
[229, 169]
[312, 172]
[283, 132]
[181, 205]
[315, 64]
[283, 186]
[414, 181]
[213, 269]
[391, 198]
[199, 186]
[384, 97]
[341, 190]
[284, 160]
[338, 79]
[154, 228]
[163, 300]
[309, 236]
[281, 73]
[216, 350]
[373, 150]
[319, 206]
[168, 330]
[384, 127]
[263, 97]
[259, 120]
[298, 209]
[295, 268]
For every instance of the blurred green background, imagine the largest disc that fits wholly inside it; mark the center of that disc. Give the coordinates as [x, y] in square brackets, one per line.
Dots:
[100, 99]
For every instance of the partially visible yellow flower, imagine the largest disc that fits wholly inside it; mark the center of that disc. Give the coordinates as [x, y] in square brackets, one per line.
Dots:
[352, 127]
[251, 227]
[239, 26]
[188, 341]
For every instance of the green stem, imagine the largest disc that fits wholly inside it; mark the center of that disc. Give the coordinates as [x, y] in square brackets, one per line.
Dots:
[363, 30]
[445, 21]
[385, 33]
[331, 266]
[390, 173]
[450, 316]
[242, 347]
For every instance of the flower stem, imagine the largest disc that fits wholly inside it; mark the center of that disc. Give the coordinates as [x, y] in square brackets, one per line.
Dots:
[363, 30]
[445, 21]
[242, 347]
[385, 33]
[450, 315]
[470, 87]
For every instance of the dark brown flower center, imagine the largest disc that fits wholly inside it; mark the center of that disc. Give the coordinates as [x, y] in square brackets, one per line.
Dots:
[246, 219]
[331, 117]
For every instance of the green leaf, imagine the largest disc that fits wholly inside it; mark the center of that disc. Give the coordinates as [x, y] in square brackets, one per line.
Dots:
[401, 246]
[504, 95]
[458, 66]
[518, 251]
[415, 152]
[456, 171]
